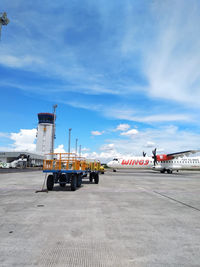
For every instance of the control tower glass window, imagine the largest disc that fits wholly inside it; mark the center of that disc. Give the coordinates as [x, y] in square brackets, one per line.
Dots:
[45, 118]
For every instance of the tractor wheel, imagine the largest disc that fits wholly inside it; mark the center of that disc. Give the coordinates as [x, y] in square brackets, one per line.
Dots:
[50, 182]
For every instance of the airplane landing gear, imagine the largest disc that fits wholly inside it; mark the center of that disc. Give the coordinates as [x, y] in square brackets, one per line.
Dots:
[166, 170]
[169, 171]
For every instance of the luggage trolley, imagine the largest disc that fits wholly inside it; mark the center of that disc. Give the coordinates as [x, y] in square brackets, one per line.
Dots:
[68, 168]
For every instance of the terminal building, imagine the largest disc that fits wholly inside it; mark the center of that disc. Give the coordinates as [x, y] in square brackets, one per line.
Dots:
[33, 159]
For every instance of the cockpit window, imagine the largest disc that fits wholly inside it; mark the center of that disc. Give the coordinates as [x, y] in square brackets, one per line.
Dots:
[115, 159]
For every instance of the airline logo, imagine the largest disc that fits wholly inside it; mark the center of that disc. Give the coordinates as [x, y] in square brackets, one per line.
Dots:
[135, 162]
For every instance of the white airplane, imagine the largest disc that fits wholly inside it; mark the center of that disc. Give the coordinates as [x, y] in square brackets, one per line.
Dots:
[21, 162]
[163, 163]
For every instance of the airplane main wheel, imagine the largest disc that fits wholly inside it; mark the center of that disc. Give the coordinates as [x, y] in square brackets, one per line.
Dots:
[50, 182]
[162, 171]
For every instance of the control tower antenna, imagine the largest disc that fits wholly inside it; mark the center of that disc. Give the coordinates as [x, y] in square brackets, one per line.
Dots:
[3, 21]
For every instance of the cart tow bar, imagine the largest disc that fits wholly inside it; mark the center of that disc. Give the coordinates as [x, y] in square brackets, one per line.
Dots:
[43, 190]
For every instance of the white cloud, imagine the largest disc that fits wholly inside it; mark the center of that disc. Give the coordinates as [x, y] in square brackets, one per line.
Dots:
[60, 149]
[97, 133]
[172, 61]
[135, 115]
[84, 149]
[77, 104]
[163, 118]
[150, 144]
[4, 135]
[123, 127]
[24, 140]
[6, 148]
[104, 156]
[165, 139]
[18, 62]
[107, 147]
[168, 48]
[132, 132]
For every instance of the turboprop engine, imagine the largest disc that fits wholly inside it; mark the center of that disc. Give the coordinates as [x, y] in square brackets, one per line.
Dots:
[163, 157]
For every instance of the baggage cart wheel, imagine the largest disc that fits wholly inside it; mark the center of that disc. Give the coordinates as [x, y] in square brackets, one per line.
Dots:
[50, 182]
[79, 180]
[91, 177]
[96, 178]
[73, 182]
[62, 180]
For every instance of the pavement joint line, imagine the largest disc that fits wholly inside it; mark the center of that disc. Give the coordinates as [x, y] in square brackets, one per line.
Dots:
[163, 195]
[185, 204]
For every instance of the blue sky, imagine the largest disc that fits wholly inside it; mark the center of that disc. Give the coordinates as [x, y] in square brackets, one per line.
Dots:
[125, 74]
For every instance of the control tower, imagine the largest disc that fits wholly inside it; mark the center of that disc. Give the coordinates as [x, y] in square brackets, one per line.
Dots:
[45, 133]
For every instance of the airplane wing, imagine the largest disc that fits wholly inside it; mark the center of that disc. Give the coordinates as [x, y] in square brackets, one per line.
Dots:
[182, 153]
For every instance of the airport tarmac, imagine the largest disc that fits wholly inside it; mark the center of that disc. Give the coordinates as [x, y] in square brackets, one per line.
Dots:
[138, 218]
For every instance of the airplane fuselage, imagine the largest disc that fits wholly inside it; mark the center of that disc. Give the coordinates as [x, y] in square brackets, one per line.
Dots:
[185, 163]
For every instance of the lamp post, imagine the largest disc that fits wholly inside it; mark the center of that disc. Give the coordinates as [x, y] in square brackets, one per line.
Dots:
[54, 127]
[76, 145]
[69, 143]
[80, 151]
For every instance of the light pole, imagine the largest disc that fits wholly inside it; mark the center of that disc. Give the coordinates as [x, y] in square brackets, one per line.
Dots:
[54, 127]
[76, 145]
[80, 151]
[69, 140]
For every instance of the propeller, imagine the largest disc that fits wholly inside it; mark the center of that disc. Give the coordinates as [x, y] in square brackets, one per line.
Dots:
[144, 154]
[154, 157]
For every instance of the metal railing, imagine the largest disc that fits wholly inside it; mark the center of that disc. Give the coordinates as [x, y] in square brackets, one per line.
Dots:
[70, 161]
